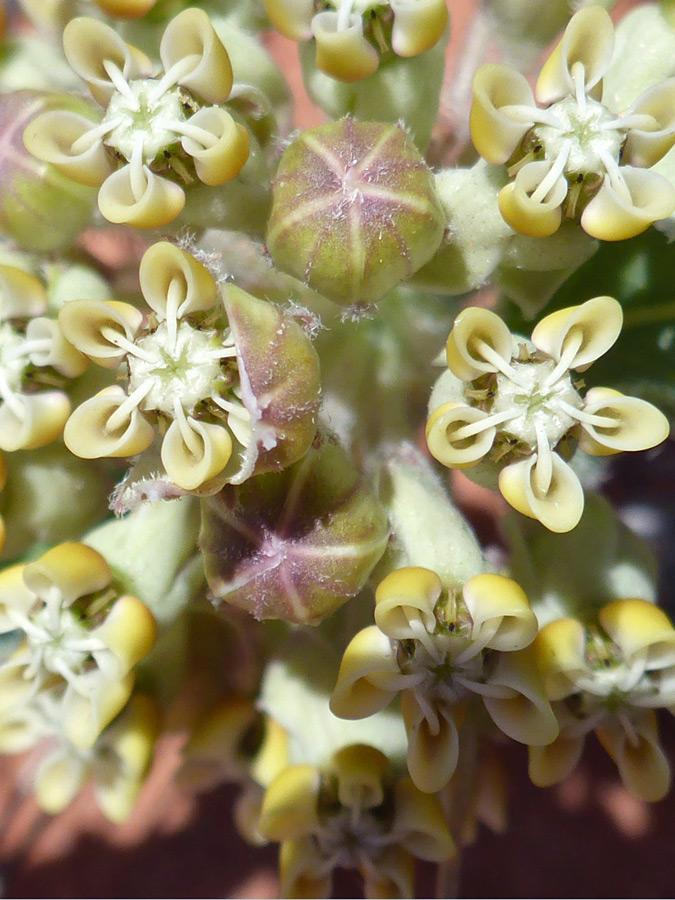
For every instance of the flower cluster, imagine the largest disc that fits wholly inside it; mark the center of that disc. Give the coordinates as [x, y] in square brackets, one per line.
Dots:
[609, 675]
[158, 134]
[575, 158]
[514, 404]
[354, 814]
[438, 646]
[352, 35]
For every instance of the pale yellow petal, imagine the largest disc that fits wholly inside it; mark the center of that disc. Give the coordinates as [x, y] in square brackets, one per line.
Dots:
[88, 435]
[125, 9]
[493, 600]
[293, 18]
[560, 653]
[643, 766]
[551, 764]
[128, 631]
[367, 667]
[474, 330]
[525, 211]
[50, 137]
[432, 752]
[458, 452]
[419, 824]
[83, 323]
[559, 509]
[60, 353]
[645, 146]
[290, 807]
[21, 294]
[407, 594]
[190, 462]
[75, 569]
[304, 872]
[418, 25]
[85, 715]
[190, 38]
[21, 729]
[494, 131]
[13, 595]
[592, 328]
[640, 627]
[151, 203]
[617, 214]
[58, 780]
[222, 153]
[360, 771]
[390, 874]
[346, 54]
[166, 268]
[527, 716]
[639, 425]
[41, 420]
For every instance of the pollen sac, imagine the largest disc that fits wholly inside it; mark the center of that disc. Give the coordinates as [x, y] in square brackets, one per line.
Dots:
[354, 211]
[295, 545]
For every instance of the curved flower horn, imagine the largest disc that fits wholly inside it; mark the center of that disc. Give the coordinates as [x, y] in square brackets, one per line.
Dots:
[57, 780]
[625, 423]
[140, 198]
[452, 438]
[33, 420]
[59, 137]
[94, 50]
[559, 508]
[500, 605]
[94, 326]
[59, 353]
[290, 805]
[360, 771]
[85, 715]
[642, 764]
[646, 145]
[344, 53]
[170, 277]
[418, 25]
[75, 569]
[587, 46]
[526, 715]
[419, 823]
[531, 203]
[13, 595]
[433, 747]
[21, 294]
[560, 653]
[293, 18]
[627, 206]
[639, 627]
[405, 601]
[128, 632]
[194, 452]
[497, 124]
[218, 145]
[369, 676]
[479, 342]
[551, 764]
[580, 334]
[100, 427]
[191, 45]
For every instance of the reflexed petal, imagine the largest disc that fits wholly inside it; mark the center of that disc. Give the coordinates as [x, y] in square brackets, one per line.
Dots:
[359, 770]
[533, 218]
[162, 265]
[560, 653]
[86, 433]
[190, 35]
[527, 717]
[85, 715]
[418, 25]
[390, 874]
[219, 161]
[304, 873]
[129, 632]
[419, 824]
[463, 452]
[87, 43]
[75, 569]
[549, 765]
[192, 466]
[157, 203]
[588, 39]
[473, 326]
[642, 765]
[496, 134]
[58, 780]
[405, 594]
[639, 425]
[43, 418]
[345, 54]
[21, 294]
[494, 598]
[644, 147]
[595, 325]
[61, 354]
[638, 626]
[82, 322]
[559, 509]
[613, 216]
[50, 138]
[368, 665]
[290, 807]
[432, 758]
[293, 18]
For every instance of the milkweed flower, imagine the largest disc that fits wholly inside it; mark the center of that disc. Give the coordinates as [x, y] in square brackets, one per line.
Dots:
[572, 156]
[215, 382]
[158, 134]
[82, 638]
[609, 676]
[514, 404]
[354, 814]
[353, 35]
[438, 646]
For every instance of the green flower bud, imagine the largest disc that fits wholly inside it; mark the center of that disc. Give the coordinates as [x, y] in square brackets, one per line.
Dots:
[41, 209]
[296, 545]
[354, 210]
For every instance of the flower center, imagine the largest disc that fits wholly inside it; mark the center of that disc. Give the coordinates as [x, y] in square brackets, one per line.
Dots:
[144, 116]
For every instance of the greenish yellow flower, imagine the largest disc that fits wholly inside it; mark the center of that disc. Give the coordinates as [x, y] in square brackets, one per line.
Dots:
[438, 646]
[609, 676]
[199, 378]
[573, 157]
[354, 814]
[158, 134]
[513, 406]
[81, 642]
[353, 35]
